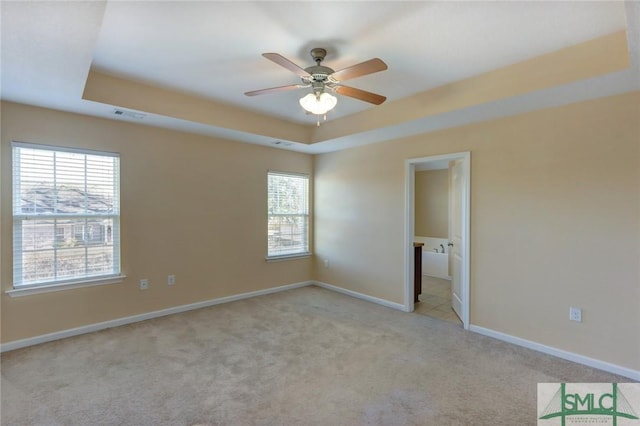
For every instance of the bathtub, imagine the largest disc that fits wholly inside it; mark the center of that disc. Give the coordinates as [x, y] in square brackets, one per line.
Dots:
[434, 262]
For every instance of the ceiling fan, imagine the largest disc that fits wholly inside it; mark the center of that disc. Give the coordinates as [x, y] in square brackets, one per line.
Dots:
[322, 79]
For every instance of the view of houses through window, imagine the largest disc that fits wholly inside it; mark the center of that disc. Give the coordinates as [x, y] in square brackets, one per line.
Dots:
[288, 214]
[65, 214]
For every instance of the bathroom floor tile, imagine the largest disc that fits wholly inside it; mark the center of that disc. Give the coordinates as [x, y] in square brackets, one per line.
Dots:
[431, 302]
[435, 300]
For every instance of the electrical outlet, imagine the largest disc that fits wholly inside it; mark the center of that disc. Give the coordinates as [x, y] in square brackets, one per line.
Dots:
[144, 284]
[171, 279]
[326, 263]
[575, 314]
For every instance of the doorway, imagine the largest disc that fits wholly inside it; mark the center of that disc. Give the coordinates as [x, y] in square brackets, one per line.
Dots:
[459, 229]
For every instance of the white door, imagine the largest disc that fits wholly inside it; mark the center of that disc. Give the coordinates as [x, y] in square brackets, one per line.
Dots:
[456, 193]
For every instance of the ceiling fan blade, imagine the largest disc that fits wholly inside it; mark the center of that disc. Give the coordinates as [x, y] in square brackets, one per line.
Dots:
[362, 95]
[275, 89]
[284, 62]
[358, 70]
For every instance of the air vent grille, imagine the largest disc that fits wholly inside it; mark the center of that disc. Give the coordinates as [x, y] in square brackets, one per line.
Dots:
[129, 114]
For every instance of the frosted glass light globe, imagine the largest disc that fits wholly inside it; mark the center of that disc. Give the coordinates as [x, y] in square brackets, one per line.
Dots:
[318, 105]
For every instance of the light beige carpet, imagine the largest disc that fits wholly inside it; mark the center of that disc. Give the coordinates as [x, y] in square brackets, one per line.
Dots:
[302, 357]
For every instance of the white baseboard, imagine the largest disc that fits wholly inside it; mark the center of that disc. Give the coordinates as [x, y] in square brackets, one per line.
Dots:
[18, 344]
[362, 296]
[570, 356]
[560, 353]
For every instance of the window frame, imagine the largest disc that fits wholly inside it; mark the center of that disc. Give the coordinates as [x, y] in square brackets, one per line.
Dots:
[306, 215]
[19, 217]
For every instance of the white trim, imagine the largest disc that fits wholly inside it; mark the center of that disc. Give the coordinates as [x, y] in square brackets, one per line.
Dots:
[570, 356]
[383, 302]
[409, 230]
[45, 147]
[48, 288]
[288, 257]
[280, 172]
[560, 353]
[409, 226]
[305, 214]
[18, 344]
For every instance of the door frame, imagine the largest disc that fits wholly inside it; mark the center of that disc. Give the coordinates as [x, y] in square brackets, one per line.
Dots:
[410, 175]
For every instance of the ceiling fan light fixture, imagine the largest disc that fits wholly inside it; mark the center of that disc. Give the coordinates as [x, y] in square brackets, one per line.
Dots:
[318, 105]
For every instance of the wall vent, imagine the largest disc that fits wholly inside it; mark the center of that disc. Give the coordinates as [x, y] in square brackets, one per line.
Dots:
[129, 114]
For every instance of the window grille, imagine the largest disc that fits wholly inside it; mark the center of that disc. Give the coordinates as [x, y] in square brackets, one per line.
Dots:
[66, 215]
[288, 214]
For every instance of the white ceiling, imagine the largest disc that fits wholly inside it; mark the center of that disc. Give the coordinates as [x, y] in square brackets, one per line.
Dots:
[213, 50]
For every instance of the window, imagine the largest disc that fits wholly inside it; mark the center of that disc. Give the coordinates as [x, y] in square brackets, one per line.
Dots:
[66, 215]
[288, 215]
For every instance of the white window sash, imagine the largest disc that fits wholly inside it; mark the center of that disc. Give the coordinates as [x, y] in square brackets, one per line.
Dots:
[274, 250]
[91, 219]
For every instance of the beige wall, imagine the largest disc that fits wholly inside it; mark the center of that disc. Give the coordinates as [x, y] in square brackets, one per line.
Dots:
[555, 222]
[191, 206]
[432, 203]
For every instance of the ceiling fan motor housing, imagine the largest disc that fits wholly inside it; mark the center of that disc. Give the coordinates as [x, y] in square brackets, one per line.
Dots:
[318, 73]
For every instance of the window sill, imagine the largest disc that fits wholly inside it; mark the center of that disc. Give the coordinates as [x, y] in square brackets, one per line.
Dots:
[287, 257]
[48, 288]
